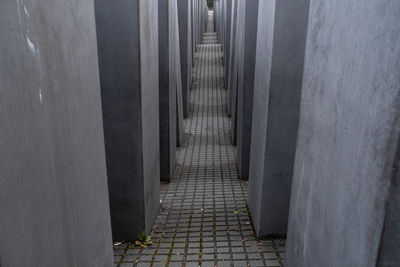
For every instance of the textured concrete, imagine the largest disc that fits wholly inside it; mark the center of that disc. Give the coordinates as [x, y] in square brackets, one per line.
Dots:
[175, 45]
[185, 43]
[279, 68]
[389, 251]
[128, 55]
[228, 21]
[246, 86]
[198, 225]
[200, 13]
[54, 208]
[171, 103]
[194, 25]
[219, 20]
[222, 14]
[237, 64]
[343, 204]
[232, 56]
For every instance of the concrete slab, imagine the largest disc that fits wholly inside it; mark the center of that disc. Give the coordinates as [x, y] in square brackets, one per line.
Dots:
[171, 103]
[54, 206]
[128, 55]
[346, 167]
[232, 56]
[185, 43]
[246, 86]
[279, 67]
[228, 21]
[174, 30]
[238, 66]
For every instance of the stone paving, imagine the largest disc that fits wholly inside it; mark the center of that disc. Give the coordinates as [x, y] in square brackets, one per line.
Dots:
[204, 219]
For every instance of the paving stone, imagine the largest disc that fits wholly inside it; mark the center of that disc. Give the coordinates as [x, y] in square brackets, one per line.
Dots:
[240, 263]
[207, 264]
[224, 264]
[129, 258]
[272, 263]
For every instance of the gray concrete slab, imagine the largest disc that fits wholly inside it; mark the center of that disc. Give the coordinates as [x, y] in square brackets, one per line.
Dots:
[200, 14]
[185, 43]
[171, 103]
[176, 51]
[346, 167]
[238, 66]
[232, 56]
[128, 55]
[149, 95]
[228, 21]
[54, 205]
[279, 68]
[246, 86]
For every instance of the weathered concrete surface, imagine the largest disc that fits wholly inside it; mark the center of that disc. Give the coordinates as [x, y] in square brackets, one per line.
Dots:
[204, 16]
[54, 205]
[167, 95]
[218, 13]
[185, 43]
[228, 21]
[346, 167]
[238, 67]
[175, 51]
[232, 56]
[389, 250]
[222, 14]
[246, 86]
[128, 53]
[171, 103]
[194, 26]
[150, 115]
[200, 14]
[279, 68]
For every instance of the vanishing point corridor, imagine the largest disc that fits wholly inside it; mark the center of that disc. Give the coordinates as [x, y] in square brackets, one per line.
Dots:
[204, 218]
[162, 133]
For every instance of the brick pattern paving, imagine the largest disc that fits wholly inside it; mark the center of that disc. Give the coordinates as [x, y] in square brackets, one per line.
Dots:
[204, 219]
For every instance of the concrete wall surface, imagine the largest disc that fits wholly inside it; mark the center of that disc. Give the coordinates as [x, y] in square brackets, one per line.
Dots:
[148, 10]
[246, 86]
[128, 54]
[265, 35]
[167, 95]
[185, 44]
[175, 51]
[232, 56]
[346, 167]
[279, 71]
[54, 208]
[228, 21]
[238, 65]
[171, 102]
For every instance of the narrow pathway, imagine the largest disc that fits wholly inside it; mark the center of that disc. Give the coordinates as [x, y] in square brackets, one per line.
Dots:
[204, 219]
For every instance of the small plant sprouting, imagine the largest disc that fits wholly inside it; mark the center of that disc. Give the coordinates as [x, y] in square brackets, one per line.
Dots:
[144, 240]
[240, 211]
